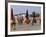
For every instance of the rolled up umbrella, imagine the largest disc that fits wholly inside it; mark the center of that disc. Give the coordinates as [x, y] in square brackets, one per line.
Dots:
[11, 13]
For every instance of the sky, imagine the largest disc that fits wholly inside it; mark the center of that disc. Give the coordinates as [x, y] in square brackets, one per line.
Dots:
[17, 9]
